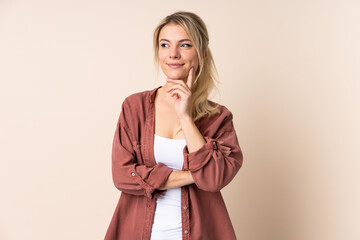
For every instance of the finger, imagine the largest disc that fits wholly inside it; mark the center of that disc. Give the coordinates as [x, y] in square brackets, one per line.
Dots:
[226, 148]
[178, 92]
[177, 86]
[174, 80]
[190, 78]
[180, 82]
[226, 152]
[175, 95]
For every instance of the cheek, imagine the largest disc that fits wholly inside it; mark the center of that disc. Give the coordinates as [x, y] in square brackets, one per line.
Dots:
[161, 55]
[195, 62]
[194, 58]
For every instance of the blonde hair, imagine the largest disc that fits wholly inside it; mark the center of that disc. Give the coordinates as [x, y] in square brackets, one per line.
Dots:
[206, 74]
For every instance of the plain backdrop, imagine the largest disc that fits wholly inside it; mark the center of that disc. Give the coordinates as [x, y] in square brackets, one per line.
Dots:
[289, 72]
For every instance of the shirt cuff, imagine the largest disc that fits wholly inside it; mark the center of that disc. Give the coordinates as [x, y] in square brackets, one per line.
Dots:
[200, 157]
[155, 179]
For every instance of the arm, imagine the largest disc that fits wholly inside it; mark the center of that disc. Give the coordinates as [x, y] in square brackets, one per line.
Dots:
[214, 164]
[178, 179]
[215, 158]
[194, 141]
[128, 175]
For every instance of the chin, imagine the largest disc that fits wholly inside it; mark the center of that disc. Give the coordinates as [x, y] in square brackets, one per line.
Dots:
[175, 75]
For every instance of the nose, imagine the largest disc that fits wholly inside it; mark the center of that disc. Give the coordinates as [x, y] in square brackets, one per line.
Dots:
[174, 52]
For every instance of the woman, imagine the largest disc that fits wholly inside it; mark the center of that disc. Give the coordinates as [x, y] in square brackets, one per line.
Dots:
[173, 149]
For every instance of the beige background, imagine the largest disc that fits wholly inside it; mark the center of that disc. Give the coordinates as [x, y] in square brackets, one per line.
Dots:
[290, 73]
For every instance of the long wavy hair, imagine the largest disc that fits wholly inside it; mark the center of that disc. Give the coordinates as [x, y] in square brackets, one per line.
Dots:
[206, 75]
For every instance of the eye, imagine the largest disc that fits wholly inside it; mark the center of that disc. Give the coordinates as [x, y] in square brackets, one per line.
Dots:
[163, 45]
[188, 45]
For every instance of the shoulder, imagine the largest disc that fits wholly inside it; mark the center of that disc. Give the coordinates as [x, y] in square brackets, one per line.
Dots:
[137, 99]
[224, 111]
[221, 121]
[135, 107]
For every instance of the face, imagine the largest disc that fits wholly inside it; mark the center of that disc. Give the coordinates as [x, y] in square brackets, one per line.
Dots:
[176, 52]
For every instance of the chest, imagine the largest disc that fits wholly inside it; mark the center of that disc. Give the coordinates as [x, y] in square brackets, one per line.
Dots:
[166, 121]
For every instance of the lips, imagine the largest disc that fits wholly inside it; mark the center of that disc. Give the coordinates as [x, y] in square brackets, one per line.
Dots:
[175, 65]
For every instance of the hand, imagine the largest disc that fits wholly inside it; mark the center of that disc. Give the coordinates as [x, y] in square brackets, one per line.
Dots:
[225, 150]
[181, 92]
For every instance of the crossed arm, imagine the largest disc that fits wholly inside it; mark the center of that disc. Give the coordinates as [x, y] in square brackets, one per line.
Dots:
[213, 160]
[177, 179]
[194, 141]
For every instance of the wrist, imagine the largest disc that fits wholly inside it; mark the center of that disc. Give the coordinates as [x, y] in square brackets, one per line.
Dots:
[191, 179]
[186, 118]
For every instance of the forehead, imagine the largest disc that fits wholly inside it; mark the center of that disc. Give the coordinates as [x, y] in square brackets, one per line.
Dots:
[173, 32]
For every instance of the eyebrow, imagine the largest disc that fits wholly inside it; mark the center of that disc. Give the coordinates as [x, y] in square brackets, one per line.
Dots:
[182, 40]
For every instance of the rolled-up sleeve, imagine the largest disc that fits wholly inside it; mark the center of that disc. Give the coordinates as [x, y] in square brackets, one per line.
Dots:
[128, 175]
[210, 167]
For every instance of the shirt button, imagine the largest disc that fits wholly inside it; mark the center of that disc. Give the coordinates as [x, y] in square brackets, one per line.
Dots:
[185, 207]
[138, 145]
[186, 231]
[214, 145]
[132, 174]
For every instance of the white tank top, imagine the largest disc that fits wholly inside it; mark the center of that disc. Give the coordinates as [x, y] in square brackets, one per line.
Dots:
[167, 220]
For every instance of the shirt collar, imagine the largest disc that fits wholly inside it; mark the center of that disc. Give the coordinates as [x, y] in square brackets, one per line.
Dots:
[153, 94]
